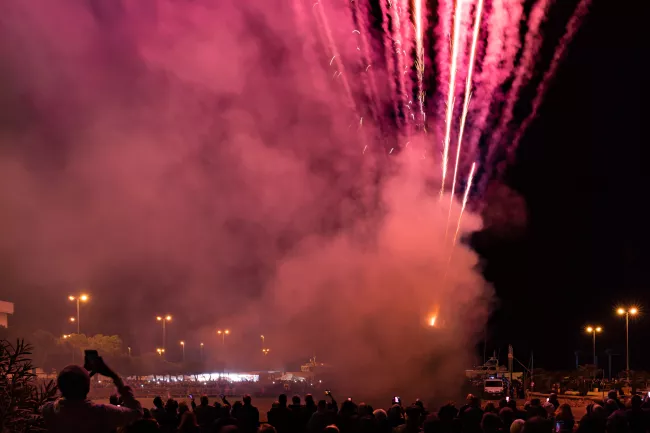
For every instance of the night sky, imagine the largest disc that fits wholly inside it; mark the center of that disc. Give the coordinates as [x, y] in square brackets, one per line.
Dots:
[581, 169]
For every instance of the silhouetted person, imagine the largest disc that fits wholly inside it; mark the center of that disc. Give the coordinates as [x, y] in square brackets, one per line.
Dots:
[537, 424]
[564, 419]
[321, 418]
[381, 418]
[279, 416]
[297, 416]
[348, 420]
[188, 423]
[73, 412]
[472, 416]
[554, 401]
[158, 409]
[143, 426]
[205, 414]
[266, 428]
[248, 417]
[413, 418]
[637, 417]
[491, 423]
[310, 406]
[224, 420]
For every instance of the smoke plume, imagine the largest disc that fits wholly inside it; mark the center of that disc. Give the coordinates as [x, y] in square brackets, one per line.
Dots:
[187, 157]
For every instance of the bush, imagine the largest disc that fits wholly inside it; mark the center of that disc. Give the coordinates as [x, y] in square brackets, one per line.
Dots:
[21, 394]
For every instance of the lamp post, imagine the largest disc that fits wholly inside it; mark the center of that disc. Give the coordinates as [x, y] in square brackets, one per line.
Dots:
[164, 320]
[266, 351]
[627, 312]
[183, 347]
[223, 335]
[160, 351]
[79, 299]
[593, 330]
[201, 351]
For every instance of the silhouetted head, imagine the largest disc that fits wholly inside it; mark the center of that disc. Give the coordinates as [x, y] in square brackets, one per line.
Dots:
[413, 414]
[491, 423]
[247, 400]
[171, 405]
[490, 407]
[157, 402]
[380, 415]
[537, 424]
[503, 403]
[74, 382]
[553, 397]
[612, 395]
[322, 405]
[309, 400]
[204, 400]
[636, 402]
[512, 404]
[114, 400]
[282, 399]
[266, 428]
[331, 429]
[517, 426]
[295, 399]
[507, 416]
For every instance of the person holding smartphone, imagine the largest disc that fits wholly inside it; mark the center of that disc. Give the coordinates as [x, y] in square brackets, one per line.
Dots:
[73, 412]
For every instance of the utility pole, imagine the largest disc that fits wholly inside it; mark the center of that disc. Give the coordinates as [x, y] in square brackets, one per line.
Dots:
[576, 353]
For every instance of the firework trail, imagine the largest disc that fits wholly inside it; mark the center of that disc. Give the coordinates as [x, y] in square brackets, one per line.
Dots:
[359, 18]
[572, 27]
[419, 55]
[468, 96]
[389, 49]
[329, 42]
[500, 52]
[523, 73]
[400, 21]
[452, 87]
[468, 187]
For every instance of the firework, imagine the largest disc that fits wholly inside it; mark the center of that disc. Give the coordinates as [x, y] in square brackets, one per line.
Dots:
[468, 187]
[468, 94]
[452, 88]
[571, 29]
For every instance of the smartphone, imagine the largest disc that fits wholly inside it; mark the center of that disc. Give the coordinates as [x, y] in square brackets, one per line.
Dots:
[507, 398]
[558, 426]
[328, 392]
[548, 399]
[648, 394]
[191, 397]
[90, 359]
[397, 400]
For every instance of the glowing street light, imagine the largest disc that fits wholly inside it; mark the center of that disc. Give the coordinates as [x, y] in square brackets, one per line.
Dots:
[201, 351]
[223, 335]
[79, 298]
[594, 330]
[266, 351]
[72, 320]
[183, 346]
[632, 311]
[164, 320]
[160, 351]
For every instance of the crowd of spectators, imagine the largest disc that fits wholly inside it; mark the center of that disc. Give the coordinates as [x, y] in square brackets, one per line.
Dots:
[73, 412]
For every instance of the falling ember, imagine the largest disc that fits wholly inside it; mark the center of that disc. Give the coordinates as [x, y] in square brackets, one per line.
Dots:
[462, 209]
[450, 94]
[468, 96]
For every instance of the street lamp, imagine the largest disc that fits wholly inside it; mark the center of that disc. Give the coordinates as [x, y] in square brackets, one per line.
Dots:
[266, 351]
[160, 351]
[183, 346]
[632, 311]
[201, 351]
[593, 330]
[223, 335]
[164, 320]
[79, 298]
[129, 349]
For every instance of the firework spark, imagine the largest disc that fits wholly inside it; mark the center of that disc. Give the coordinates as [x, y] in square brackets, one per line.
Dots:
[451, 93]
[468, 95]
[419, 53]
[462, 209]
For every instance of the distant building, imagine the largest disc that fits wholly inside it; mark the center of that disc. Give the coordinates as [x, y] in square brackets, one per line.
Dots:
[6, 308]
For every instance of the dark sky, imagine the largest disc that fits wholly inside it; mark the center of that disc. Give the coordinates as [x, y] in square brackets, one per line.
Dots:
[581, 169]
